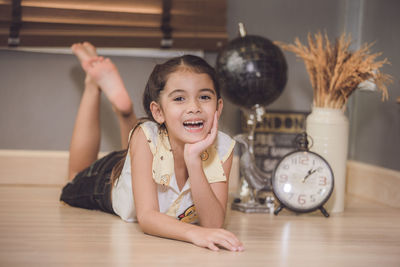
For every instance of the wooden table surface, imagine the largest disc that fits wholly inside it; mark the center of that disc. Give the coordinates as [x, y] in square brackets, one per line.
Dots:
[37, 230]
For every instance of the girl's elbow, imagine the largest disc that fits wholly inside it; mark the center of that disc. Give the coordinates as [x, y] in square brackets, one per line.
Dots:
[145, 227]
[142, 219]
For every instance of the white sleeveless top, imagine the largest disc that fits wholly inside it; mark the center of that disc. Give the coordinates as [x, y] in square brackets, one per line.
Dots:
[171, 200]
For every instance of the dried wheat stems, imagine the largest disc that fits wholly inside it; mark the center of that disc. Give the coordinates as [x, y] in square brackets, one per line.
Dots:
[335, 72]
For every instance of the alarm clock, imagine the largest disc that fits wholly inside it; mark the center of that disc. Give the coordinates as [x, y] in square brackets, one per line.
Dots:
[302, 180]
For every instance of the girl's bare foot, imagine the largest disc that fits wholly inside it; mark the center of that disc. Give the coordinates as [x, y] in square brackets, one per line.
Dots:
[85, 52]
[90, 49]
[106, 75]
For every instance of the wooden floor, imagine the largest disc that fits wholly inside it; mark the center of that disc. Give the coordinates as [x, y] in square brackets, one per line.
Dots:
[37, 230]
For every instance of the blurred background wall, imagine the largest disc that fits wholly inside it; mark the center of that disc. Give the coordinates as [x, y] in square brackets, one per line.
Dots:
[40, 92]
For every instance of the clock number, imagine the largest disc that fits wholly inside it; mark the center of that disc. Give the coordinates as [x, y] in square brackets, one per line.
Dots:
[294, 160]
[322, 181]
[283, 178]
[301, 199]
[312, 198]
[304, 160]
[290, 195]
[286, 166]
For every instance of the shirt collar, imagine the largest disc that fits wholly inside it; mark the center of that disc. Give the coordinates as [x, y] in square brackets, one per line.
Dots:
[163, 164]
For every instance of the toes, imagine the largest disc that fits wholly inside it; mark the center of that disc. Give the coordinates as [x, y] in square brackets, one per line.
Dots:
[90, 49]
[80, 52]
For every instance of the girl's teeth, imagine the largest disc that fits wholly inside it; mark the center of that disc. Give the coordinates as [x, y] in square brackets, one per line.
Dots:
[193, 124]
[194, 127]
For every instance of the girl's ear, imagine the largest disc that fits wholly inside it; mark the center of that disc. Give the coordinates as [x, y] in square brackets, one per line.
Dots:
[157, 112]
[220, 105]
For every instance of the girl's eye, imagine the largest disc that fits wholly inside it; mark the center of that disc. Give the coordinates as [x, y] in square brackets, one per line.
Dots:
[205, 97]
[179, 98]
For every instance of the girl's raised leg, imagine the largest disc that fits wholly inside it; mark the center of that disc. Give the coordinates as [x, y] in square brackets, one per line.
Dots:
[100, 74]
[106, 75]
[85, 141]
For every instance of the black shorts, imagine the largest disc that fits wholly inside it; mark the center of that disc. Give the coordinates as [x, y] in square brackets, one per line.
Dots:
[91, 188]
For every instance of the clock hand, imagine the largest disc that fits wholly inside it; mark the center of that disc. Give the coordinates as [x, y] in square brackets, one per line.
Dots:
[310, 171]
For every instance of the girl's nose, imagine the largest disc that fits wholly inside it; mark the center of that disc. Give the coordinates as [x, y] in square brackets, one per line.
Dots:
[193, 107]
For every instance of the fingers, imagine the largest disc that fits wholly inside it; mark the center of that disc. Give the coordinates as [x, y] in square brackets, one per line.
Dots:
[213, 247]
[213, 132]
[193, 150]
[215, 122]
[214, 239]
[210, 138]
[225, 244]
[231, 242]
[226, 240]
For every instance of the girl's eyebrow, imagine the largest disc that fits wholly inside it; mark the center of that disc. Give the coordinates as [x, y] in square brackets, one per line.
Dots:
[208, 90]
[176, 91]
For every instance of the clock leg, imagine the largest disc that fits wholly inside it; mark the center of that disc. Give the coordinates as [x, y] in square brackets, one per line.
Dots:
[278, 209]
[323, 210]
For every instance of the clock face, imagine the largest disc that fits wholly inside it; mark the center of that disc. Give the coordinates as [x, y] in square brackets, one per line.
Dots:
[303, 181]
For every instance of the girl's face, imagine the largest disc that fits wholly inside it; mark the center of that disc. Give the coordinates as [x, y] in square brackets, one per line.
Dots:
[187, 106]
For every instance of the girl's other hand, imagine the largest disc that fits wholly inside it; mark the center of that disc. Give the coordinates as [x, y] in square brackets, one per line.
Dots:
[193, 151]
[214, 239]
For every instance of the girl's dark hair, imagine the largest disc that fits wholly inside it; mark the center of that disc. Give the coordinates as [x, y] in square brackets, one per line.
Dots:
[159, 76]
[156, 83]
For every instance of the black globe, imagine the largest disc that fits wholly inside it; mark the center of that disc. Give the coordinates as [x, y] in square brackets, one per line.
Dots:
[251, 70]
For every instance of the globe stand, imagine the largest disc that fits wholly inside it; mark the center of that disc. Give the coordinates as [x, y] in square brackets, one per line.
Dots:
[250, 172]
[252, 73]
[252, 206]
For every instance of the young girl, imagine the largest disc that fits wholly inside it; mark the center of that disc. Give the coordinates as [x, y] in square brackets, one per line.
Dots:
[173, 177]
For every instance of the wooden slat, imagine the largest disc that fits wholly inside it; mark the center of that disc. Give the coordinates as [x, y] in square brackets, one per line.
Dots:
[179, 7]
[131, 6]
[210, 23]
[60, 29]
[90, 30]
[204, 21]
[5, 2]
[210, 44]
[195, 7]
[177, 23]
[4, 27]
[70, 16]
[64, 35]
[5, 11]
[197, 24]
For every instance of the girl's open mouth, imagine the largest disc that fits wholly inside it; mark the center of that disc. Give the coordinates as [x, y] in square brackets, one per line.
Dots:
[193, 125]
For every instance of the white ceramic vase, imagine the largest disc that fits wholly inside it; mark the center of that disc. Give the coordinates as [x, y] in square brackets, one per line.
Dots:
[329, 129]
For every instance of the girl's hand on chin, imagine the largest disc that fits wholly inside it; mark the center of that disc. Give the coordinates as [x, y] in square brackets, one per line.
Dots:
[193, 151]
